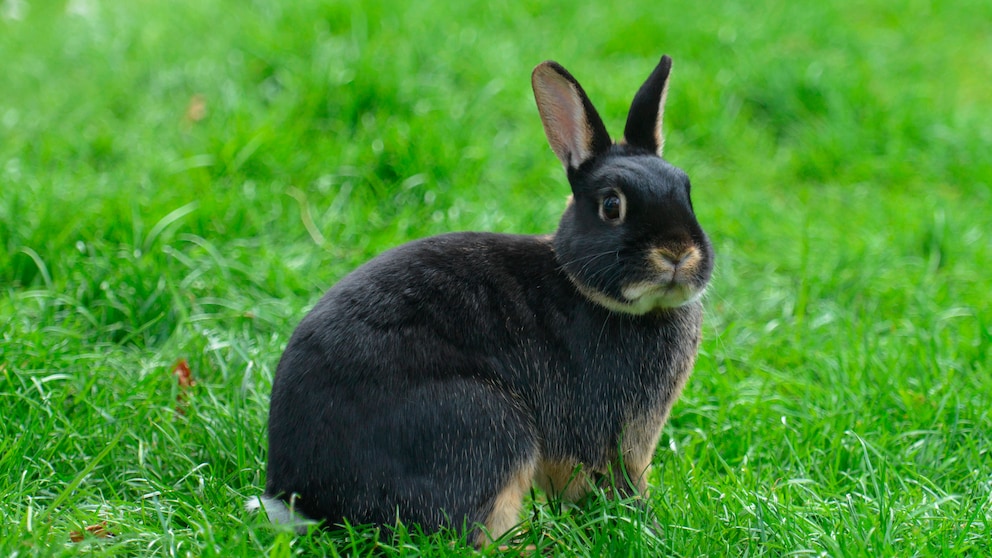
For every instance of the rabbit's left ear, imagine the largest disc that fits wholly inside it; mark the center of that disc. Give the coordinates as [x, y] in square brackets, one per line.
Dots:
[643, 127]
[574, 129]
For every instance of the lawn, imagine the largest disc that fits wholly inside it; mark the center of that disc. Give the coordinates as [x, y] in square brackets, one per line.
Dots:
[180, 181]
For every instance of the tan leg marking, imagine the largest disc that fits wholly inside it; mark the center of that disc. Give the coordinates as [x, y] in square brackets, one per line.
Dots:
[640, 438]
[563, 480]
[637, 451]
[506, 507]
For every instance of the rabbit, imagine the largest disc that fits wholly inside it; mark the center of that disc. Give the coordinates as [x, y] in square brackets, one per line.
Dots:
[438, 382]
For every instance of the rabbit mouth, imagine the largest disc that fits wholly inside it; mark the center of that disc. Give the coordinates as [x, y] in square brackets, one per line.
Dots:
[642, 297]
[663, 285]
[668, 293]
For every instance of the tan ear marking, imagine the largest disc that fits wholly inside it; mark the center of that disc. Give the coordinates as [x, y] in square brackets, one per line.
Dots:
[659, 133]
[647, 110]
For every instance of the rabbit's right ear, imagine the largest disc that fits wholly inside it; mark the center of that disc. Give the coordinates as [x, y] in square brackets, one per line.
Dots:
[648, 110]
[574, 129]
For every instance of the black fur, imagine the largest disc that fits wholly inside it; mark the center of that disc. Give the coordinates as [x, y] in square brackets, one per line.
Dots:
[428, 377]
[639, 130]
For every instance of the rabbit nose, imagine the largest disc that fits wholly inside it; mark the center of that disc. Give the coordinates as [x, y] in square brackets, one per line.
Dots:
[674, 257]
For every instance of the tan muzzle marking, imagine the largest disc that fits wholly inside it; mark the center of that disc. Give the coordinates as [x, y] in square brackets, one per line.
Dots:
[668, 259]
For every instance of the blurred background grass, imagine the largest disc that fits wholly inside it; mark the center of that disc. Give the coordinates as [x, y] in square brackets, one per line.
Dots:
[183, 179]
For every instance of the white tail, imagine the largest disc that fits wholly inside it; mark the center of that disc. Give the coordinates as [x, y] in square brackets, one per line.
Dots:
[279, 513]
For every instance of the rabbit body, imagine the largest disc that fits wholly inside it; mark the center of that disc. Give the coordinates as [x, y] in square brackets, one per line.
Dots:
[438, 381]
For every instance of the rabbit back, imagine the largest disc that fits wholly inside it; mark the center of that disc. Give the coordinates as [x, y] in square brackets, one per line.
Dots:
[389, 397]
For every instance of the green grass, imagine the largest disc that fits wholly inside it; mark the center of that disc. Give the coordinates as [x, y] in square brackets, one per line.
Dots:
[840, 161]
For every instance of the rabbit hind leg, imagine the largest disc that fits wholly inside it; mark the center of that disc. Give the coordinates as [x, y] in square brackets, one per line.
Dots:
[567, 480]
[505, 512]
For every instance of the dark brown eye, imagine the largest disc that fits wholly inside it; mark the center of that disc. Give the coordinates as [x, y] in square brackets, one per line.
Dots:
[610, 208]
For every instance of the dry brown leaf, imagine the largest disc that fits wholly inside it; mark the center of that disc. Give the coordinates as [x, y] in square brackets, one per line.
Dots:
[196, 110]
[183, 374]
[185, 378]
[99, 531]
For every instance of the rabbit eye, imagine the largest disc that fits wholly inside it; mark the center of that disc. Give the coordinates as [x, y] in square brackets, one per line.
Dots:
[611, 208]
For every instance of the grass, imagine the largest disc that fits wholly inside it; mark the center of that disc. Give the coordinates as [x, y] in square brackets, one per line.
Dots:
[182, 180]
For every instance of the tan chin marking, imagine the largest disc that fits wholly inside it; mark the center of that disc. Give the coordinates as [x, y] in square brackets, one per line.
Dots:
[610, 303]
[652, 295]
[642, 300]
[643, 297]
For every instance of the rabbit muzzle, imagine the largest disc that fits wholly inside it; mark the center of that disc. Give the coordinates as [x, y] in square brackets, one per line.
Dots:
[680, 263]
[676, 279]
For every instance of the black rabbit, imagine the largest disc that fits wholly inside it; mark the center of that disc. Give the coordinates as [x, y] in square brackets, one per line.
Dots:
[434, 384]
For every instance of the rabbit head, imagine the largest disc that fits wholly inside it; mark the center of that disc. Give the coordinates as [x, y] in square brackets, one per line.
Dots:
[629, 239]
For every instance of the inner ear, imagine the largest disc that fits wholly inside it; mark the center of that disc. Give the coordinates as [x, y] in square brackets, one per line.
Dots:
[647, 110]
